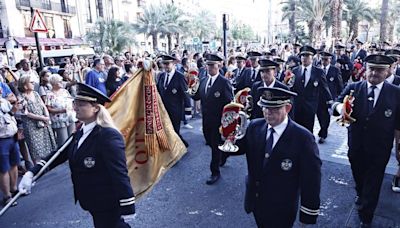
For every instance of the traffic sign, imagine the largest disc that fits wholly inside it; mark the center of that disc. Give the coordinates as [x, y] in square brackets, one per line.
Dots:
[37, 23]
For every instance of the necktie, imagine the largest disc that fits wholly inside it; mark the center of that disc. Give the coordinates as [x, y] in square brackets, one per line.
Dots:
[268, 145]
[253, 75]
[371, 99]
[325, 70]
[166, 81]
[78, 136]
[209, 85]
[304, 76]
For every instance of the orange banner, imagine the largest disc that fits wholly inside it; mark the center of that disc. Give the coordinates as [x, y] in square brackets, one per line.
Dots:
[152, 146]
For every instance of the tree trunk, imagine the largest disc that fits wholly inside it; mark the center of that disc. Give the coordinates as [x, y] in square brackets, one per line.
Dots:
[178, 38]
[339, 19]
[390, 34]
[383, 22]
[355, 30]
[310, 25]
[317, 31]
[292, 21]
[154, 37]
[169, 38]
[336, 13]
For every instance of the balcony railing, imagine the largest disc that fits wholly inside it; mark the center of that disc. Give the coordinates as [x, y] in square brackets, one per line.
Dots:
[53, 6]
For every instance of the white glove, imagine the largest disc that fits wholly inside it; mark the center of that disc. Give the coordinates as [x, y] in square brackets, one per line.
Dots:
[26, 183]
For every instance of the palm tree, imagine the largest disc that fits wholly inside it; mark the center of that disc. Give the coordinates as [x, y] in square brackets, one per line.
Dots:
[394, 11]
[151, 23]
[174, 22]
[336, 18]
[354, 12]
[289, 13]
[313, 11]
[203, 25]
[383, 32]
[111, 36]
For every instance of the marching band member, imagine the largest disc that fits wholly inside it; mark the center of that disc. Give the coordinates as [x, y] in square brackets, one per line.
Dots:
[376, 109]
[97, 161]
[215, 91]
[283, 165]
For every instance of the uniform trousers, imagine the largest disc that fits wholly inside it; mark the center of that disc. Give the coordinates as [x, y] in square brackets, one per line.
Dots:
[368, 172]
[213, 139]
[305, 119]
[323, 119]
[108, 219]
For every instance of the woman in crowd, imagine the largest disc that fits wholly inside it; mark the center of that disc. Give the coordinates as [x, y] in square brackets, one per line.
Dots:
[9, 151]
[38, 134]
[68, 81]
[62, 115]
[130, 70]
[114, 80]
[44, 86]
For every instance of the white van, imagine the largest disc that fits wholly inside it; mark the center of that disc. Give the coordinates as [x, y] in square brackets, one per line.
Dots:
[60, 54]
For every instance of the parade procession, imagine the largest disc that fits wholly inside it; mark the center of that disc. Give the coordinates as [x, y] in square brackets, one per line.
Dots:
[200, 113]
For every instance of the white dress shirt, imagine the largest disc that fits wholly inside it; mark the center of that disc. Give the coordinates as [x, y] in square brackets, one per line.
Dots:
[168, 77]
[279, 129]
[86, 131]
[212, 78]
[390, 79]
[270, 85]
[308, 73]
[326, 68]
[377, 90]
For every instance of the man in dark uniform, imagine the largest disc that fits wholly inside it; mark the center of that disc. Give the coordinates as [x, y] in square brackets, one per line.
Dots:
[376, 108]
[335, 84]
[172, 87]
[215, 91]
[280, 70]
[268, 72]
[395, 54]
[394, 80]
[242, 74]
[342, 61]
[283, 165]
[97, 162]
[359, 53]
[252, 75]
[311, 86]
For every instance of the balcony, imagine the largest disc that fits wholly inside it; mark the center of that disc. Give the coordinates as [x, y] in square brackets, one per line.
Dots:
[49, 6]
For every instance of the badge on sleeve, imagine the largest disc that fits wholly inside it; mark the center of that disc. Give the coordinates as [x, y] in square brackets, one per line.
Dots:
[315, 83]
[89, 162]
[388, 113]
[217, 94]
[286, 164]
[174, 91]
[331, 79]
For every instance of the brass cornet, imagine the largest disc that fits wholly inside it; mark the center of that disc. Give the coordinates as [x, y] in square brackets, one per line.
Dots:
[345, 119]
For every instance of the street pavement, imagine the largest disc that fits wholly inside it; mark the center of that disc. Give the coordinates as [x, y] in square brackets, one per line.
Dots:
[182, 199]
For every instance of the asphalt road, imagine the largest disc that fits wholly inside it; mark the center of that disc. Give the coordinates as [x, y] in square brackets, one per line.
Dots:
[182, 199]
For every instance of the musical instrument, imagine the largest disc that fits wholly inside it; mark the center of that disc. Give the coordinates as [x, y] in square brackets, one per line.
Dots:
[192, 78]
[345, 119]
[244, 98]
[233, 126]
[289, 78]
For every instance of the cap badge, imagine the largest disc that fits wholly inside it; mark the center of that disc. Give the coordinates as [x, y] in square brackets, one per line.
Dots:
[217, 94]
[268, 95]
[388, 113]
[89, 162]
[286, 164]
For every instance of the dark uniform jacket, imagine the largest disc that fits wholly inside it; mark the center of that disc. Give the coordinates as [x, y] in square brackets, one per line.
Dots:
[306, 101]
[373, 133]
[212, 104]
[397, 70]
[243, 80]
[360, 55]
[396, 80]
[99, 172]
[293, 170]
[173, 96]
[257, 111]
[335, 82]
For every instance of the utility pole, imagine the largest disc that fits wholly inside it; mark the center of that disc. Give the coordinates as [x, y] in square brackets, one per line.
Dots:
[225, 27]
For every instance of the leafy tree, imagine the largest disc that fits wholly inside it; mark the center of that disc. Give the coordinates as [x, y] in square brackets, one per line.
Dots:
[111, 37]
[203, 25]
[353, 13]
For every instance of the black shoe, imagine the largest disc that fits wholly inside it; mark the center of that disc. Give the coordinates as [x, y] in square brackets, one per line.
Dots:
[212, 179]
[396, 184]
[223, 160]
[365, 225]
[321, 140]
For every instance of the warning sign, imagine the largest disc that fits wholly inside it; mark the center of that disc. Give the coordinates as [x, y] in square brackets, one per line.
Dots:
[37, 23]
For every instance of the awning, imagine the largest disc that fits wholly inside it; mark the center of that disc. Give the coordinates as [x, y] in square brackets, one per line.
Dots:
[30, 41]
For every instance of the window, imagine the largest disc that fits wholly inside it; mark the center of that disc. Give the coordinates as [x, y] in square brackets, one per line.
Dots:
[99, 8]
[50, 26]
[89, 13]
[1, 30]
[27, 22]
[46, 4]
[141, 3]
[67, 29]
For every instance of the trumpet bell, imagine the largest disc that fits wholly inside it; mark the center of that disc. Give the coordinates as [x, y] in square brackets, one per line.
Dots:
[228, 147]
